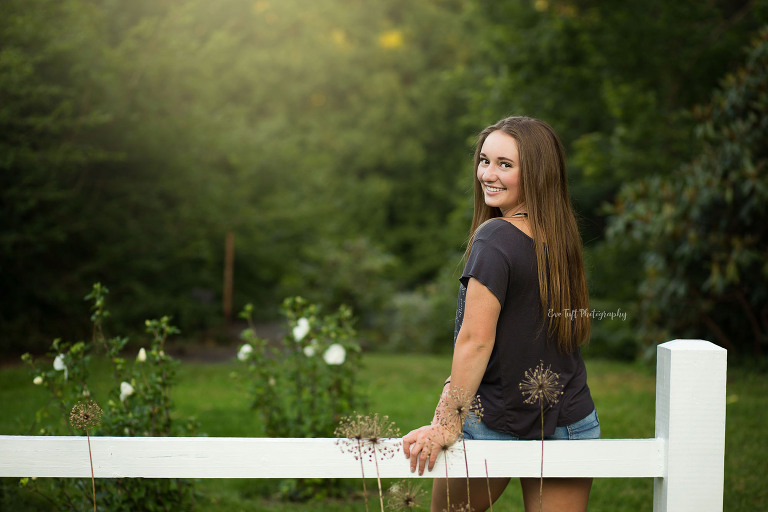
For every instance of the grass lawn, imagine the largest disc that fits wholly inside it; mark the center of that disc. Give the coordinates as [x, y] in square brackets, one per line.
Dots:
[406, 388]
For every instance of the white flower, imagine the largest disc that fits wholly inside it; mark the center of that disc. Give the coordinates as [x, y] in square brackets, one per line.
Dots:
[58, 365]
[245, 352]
[38, 380]
[126, 390]
[301, 329]
[335, 354]
[142, 355]
[311, 349]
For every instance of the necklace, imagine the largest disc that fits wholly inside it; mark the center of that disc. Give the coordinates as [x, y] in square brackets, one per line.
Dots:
[518, 214]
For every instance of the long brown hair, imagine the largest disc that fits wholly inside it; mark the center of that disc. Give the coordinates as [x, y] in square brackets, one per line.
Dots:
[543, 192]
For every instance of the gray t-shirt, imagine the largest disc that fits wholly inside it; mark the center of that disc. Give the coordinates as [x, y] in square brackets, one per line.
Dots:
[503, 259]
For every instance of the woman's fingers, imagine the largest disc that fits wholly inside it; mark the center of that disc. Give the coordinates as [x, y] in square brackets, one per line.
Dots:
[406, 445]
[432, 459]
[415, 459]
[417, 449]
[409, 439]
[423, 456]
[423, 445]
[413, 448]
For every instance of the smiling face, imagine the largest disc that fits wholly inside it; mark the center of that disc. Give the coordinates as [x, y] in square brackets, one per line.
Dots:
[498, 172]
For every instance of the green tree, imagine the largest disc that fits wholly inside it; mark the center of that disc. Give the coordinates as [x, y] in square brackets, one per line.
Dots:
[616, 82]
[48, 109]
[701, 230]
[136, 135]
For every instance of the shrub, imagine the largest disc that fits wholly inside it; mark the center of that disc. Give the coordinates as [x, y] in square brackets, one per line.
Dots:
[306, 384]
[422, 320]
[700, 230]
[303, 387]
[138, 404]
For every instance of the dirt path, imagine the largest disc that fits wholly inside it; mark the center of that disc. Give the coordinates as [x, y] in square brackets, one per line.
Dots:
[205, 349]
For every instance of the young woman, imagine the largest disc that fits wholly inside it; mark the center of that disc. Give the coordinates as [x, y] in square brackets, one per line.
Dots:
[523, 300]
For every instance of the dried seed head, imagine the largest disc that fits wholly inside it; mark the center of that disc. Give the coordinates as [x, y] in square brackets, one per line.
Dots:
[352, 427]
[351, 432]
[380, 428]
[445, 445]
[405, 495]
[458, 407]
[365, 435]
[442, 443]
[85, 416]
[541, 385]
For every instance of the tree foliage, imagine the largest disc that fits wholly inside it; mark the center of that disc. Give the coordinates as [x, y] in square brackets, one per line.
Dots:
[616, 82]
[136, 135]
[701, 230]
[333, 138]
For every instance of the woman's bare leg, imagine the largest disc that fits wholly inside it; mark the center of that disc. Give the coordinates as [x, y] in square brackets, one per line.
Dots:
[559, 494]
[478, 489]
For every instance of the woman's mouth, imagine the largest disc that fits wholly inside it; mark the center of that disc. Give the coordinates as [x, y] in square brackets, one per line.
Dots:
[494, 189]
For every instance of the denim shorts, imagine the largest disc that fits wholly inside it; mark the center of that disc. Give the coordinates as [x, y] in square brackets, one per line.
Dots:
[586, 428]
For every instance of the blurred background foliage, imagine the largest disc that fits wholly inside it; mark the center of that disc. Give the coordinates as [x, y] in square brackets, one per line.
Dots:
[334, 139]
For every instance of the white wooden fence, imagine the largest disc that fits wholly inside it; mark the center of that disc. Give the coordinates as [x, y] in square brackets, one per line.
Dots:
[685, 459]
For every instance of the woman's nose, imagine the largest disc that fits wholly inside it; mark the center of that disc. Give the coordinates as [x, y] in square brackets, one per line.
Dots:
[488, 174]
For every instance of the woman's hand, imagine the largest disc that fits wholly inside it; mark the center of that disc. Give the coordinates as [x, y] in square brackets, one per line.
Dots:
[425, 443]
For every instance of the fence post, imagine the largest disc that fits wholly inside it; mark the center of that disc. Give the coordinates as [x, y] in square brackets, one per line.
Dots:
[690, 417]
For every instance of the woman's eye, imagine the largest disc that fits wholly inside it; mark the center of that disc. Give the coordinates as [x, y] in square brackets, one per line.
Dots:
[506, 165]
[484, 161]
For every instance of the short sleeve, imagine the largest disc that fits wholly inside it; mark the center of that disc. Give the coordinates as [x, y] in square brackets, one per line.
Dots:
[488, 264]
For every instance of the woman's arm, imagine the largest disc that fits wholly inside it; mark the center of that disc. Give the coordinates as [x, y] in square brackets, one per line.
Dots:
[443, 397]
[470, 359]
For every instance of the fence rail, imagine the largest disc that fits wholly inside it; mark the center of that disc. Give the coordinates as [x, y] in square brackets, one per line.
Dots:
[685, 459]
[199, 457]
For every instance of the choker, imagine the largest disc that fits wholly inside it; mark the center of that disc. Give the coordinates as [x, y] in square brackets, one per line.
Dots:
[518, 214]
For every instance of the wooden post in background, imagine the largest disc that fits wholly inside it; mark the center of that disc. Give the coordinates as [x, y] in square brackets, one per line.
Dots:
[229, 270]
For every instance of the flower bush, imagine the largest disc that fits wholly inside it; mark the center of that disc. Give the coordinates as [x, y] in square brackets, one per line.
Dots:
[138, 404]
[304, 385]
